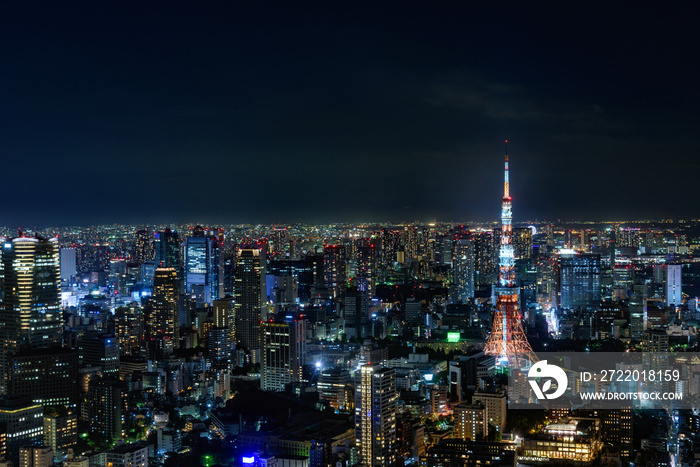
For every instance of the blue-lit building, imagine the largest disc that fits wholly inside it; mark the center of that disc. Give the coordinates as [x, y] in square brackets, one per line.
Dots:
[204, 276]
[579, 280]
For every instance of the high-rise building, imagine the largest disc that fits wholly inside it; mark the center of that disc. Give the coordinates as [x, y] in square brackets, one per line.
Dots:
[219, 345]
[23, 422]
[375, 415]
[579, 280]
[522, 242]
[225, 316]
[283, 353]
[35, 456]
[495, 403]
[68, 265]
[471, 422]
[104, 407]
[485, 265]
[333, 387]
[638, 311]
[162, 321]
[366, 264]
[507, 341]
[356, 313]
[47, 376]
[60, 431]
[143, 246]
[249, 298]
[463, 270]
[674, 295]
[204, 274]
[30, 314]
[335, 269]
[129, 328]
[100, 350]
[167, 249]
[617, 429]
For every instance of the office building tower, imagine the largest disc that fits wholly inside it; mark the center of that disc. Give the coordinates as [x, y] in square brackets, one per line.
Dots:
[23, 422]
[204, 274]
[463, 271]
[507, 341]
[283, 353]
[334, 387]
[390, 241]
[366, 250]
[655, 340]
[30, 312]
[225, 316]
[60, 431]
[162, 320]
[129, 329]
[471, 422]
[35, 456]
[308, 273]
[143, 246]
[617, 430]
[579, 280]
[522, 242]
[638, 311]
[104, 407]
[674, 296]
[99, 350]
[375, 415]
[167, 249]
[47, 376]
[285, 292]
[219, 345]
[335, 270]
[485, 255]
[117, 275]
[69, 265]
[495, 403]
[356, 313]
[249, 298]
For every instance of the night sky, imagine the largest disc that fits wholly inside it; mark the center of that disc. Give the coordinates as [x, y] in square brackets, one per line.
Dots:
[268, 112]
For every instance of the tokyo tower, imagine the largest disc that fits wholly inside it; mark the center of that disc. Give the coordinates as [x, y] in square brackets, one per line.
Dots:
[507, 341]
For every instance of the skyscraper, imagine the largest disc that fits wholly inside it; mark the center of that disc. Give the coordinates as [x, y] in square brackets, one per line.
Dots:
[167, 249]
[334, 269]
[283, 352]
[143, 246]
[507, 341]
[673, 285]
[249, 298]
[579, 280]
[162, 322]
[638, 311]
[204, 274]
[375, 415]
[463, 270]
[30, 315]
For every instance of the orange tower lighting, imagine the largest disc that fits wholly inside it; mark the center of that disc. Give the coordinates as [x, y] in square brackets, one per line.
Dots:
[507, 341]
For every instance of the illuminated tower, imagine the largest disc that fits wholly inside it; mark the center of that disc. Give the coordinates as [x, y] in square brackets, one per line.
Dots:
[375, 415]
[249, 298]
[162, 324]
[507, 341]
[30, 307]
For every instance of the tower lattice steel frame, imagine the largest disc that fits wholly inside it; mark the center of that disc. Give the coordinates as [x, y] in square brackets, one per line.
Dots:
[507, 341]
